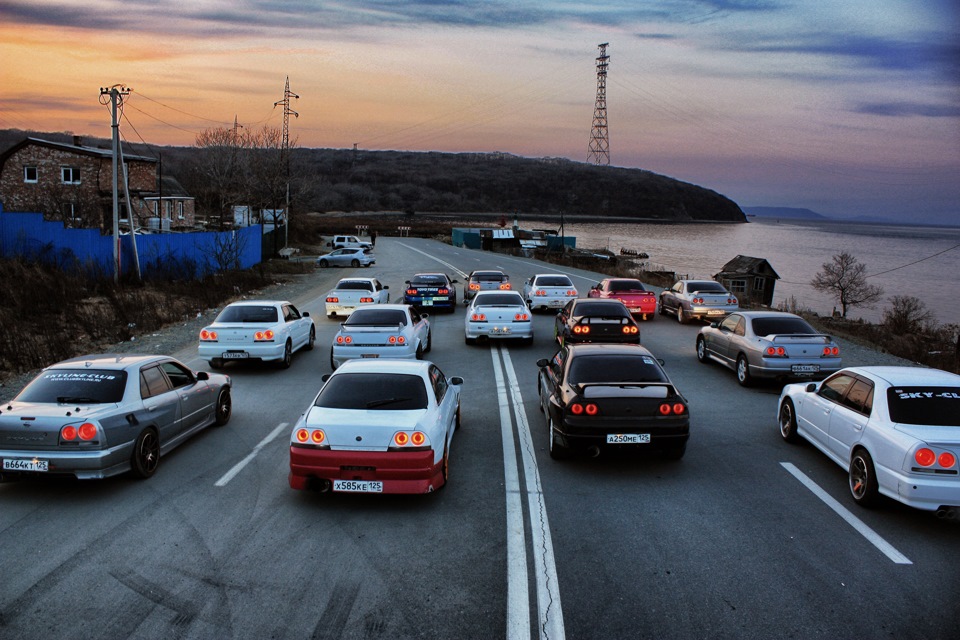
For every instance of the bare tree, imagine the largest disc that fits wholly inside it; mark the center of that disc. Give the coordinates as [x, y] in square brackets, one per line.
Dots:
[223, 166]
[846, 280]
[907, 315]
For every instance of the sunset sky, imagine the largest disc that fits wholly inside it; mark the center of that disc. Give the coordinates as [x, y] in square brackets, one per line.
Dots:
[847, 107]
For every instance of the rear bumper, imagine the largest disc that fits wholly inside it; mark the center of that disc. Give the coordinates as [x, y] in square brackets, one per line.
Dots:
[400, 472]
[83, 465]
[770, 368]
[266, 351]
[342, 354]
[499, 330]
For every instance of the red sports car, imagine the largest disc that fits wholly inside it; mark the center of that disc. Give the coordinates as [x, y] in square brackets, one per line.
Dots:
[638, 299]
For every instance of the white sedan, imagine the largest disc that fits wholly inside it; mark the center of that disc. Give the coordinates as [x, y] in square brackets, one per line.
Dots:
[498, 315]
[896, 430]
[352, 293]
[382, 331]
[548, 291]
[377, 426]
[268, 330]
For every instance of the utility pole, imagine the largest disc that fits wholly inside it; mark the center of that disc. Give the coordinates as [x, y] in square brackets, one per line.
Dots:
[599, 140]
[287, 94]
[116, 95]
[236, 130]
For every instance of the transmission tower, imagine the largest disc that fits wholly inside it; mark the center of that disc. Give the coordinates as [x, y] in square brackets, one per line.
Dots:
[599, 140]
[287, 94]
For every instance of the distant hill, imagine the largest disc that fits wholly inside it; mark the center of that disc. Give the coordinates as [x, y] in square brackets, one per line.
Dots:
[784, 212]
[432, 182]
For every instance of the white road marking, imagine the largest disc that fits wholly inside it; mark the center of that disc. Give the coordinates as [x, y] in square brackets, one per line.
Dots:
[237, 468]
[462, 274]
[872, 536]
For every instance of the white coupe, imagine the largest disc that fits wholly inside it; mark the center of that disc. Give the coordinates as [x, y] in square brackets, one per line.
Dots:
[896, 430]
[268, 330]
[382, 331]
[498, 315]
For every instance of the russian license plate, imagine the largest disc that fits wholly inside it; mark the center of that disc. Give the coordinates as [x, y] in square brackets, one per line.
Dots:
[19, 464]
[370, 355]
[235, 355]
[358, 486]
[715, 312]
[427, 302]
[500, 330]
[628, 438]
[805, 368]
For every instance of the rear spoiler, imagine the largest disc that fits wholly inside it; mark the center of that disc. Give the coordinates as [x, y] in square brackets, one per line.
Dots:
[633, 389]
[774, 337]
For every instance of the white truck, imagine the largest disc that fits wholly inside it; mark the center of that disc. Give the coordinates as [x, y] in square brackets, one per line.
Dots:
[349, 242]
[351, 293]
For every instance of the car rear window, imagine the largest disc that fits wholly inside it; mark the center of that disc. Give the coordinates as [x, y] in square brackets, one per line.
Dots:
[248, 313]
[498, 299]
[626, 285]
[554, 281]
[354, 285]
[615, 368]
[707, 286]
[432, 281]
[392, 317]
[489, 277]
[76, 386]
[771, 326]
[936, 406]
[379, 391]
[601, 309]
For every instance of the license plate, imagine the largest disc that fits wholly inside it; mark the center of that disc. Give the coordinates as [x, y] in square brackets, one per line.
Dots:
[634, 309]
[370, 355]
[235, 355]
[628, 438]
[715, 312]
[805, 368]
[501, 330]
[18, 464]
[358, 486]
[427, 303]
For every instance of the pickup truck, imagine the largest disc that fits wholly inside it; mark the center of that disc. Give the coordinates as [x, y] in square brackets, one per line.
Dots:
[349, 242]
[639, 300]
[351, 293]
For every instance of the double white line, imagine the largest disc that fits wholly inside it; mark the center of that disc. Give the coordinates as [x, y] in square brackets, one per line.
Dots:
[549, 613]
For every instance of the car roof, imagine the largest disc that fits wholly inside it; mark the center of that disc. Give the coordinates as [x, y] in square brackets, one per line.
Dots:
[550, 275]
[398, 306]
[766, 314]
[435, 274]
[500, 292]
[600, 301]
[385, 366]
[606, 348]
[256, 303]
[112, 361]
[908, 376]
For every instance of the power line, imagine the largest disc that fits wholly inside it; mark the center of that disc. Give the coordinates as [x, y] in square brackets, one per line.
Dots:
[909, 264]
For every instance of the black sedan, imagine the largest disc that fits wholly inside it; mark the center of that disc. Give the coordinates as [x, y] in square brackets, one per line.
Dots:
[596, 320]
[431, 290]
[604, 397]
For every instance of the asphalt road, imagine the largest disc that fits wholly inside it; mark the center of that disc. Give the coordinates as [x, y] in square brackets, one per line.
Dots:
[746, 537]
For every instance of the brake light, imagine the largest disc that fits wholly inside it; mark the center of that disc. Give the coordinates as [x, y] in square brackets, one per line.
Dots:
[411, 292]
[631, 329]
[396, 340]
[418, 438]
[732, 300]
[521, 317]
[676, 408]
[208, 335]
[366, 299]
[69, 432]
[401, 438]
[572, 292]
[925, 457]
[947, 460]
[831, 351]
[87, 431]
[578, 409]
[302, 435]
[474, 286]
[263, 336]
[317, 436]
[698, 301]
[776, 351]
[478, 317]
[443, 292]
[505, 286]
[333, 299]
[344, 339]
[540, 292]
[581, 329]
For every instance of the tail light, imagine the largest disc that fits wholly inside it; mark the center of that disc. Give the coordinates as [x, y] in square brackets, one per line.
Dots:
[672, 408]
[333, 299]
[698, 301]
[631, 329]
[208, 335]
[311, 436]
[443, 292]
[505, 286]
[572, 292]
[478, 317]
[264, 336]
[521, 317]
[540, 292]
[776, 352]
[86, 431]
[579, 409]
[366, 299]
[935, 461]
[410, 440]
[344, 339]
[411, 292]
[829, 352]
[474, 286]
[732, 300]
[397, 340]
[581, 329]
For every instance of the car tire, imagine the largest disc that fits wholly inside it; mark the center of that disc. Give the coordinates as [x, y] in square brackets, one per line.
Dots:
[419, 354]
[456, 423]
[312, 339]
[557, 450]
[682, 316]
[323, 264]
[468, 340]
[863, 479]
[287, 359]
[788, 421]
[224, 408]
[146, 454]
[429, 342]
[661, 309]
[743, 371]
[354, 263]
[333, 364]
[216, 363]
[675, 452]
[702, 350]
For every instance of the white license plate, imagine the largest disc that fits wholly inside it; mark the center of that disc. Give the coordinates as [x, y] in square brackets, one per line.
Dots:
[427, 302]
[500, 330]
[358, 486]
[235, 355]
[18, 464]
[716, 312]
[805, 368]
[628, 438]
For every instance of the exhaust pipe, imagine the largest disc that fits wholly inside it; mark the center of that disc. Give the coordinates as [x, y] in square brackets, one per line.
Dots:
[947, 513]
[594, 451]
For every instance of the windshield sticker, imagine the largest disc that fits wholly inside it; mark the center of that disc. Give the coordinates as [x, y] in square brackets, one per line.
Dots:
[69, 376]
[923, 395]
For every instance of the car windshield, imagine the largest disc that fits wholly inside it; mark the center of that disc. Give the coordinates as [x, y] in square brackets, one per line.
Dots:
[935, 406]
[600, 309]
[498, 299]
[626, 285]
[248, 313]
[380, 391]
[429, 281]
[76, 386]
[615, 368]
[781, 326]
[354, 285]
[554, 281]
[706, 286]
[368, 317]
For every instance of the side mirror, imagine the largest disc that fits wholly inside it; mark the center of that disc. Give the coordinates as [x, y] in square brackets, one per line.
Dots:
[305, 314]
[386, 286]
[325, 377]
[456, 380]
[812, 387]
[543, 362]
[454, 282]
[203, 375]
[424, 315]
[715, 325]
[406, 282]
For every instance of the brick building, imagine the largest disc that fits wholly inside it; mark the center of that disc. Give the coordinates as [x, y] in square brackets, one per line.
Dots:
[72, 183]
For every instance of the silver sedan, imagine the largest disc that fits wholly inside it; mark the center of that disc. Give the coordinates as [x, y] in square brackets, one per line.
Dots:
[768, 344]
[100, 415]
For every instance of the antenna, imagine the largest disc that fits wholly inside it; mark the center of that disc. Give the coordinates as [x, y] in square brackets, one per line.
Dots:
[599, 140]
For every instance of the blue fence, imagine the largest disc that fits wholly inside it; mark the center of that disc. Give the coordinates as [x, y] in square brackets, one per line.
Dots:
[191, 255]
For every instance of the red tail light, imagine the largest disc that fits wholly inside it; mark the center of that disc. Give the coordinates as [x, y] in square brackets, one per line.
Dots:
[401, 438]
[631, 329]
[411, 292]
[443, 292]
[263, 336]
[474, 286]
[831, 351]
[572, 292]
[418, 438]
[478, 317]
[581, 329]
[333, 299]
[208, 335]
[947, 460]
[317, 436]
[731, 300]
[68, 433]
[540, 292]
[776, 351]
[396, 340]
[590, 409]
[521, 317]
[505, 286]
[676, 408]
[925, 457]
[698, 301]
[366, 299]
[344, 339]
[87, 431]
[302, 435]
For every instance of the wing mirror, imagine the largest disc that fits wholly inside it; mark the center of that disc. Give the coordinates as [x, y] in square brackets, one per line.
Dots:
[811, 387]
[456, 380]
[543, 362]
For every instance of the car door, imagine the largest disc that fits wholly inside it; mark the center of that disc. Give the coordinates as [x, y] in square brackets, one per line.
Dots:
[850, 417]
[196, 397]
[671, 298]
[551, 377]
[160, 402]
[813, 415]
[560, 323]
[446, 403]
[297, 326]
[719, 340]
[421, 327]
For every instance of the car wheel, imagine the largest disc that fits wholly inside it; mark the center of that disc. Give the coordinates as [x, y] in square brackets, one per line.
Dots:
[146, 454]
[468, 340]
[224, 407]
[312, 340]
[333, 364]
[863, 479]
[743, 371]
[332, 316]
[557, 450]
[788, 421]
[287, 359]
[682, 316]
[528, 341]
[420, 351]
[445, 469]
[429, 342]
[675, 452]
[702, 350]
[354, 263]
[323, 264]
[456, 424]
[661, 309]
[216, 363]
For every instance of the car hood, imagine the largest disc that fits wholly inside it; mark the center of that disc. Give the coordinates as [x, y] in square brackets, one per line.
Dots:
[362, 429]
